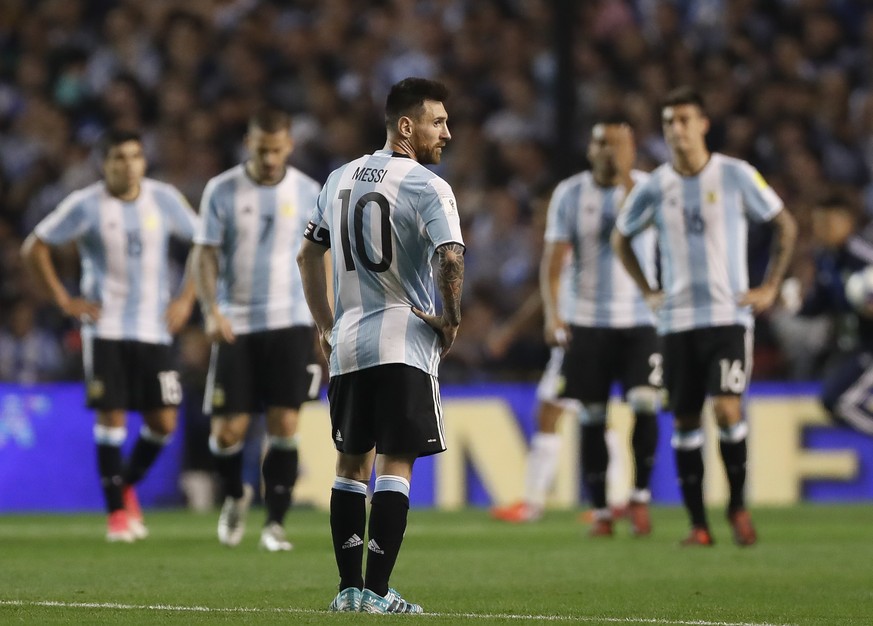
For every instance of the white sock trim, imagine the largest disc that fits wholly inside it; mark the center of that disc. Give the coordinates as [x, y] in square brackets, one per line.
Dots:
[219, 451]
[282, 443]
[387, 482]
[149, 435]
[109, 435]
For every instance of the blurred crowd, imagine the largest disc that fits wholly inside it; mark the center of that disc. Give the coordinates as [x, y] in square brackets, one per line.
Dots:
[788, 86]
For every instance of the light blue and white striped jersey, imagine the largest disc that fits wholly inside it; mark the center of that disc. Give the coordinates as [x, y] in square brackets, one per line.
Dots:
[384, 215]
[599, 292]
[702, 224]
[258, 230]
[123, 248]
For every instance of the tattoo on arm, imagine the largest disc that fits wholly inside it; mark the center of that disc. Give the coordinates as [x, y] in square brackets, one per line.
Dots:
[205, 270]
[450, 280]
[782, 248]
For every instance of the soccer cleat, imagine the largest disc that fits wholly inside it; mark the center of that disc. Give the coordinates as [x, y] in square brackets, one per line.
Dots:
[392, 603]
[743, 529]
[601, 528]
[134, 513]
[232, 520]
[517, 513]
[347, 600]
[117, 528]
[641, 522]
[273, 538]
[617, 511]
[699, 536]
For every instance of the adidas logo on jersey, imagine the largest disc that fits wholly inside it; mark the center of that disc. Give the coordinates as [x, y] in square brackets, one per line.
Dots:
[374, 547]
[338, 436]
[353, 542]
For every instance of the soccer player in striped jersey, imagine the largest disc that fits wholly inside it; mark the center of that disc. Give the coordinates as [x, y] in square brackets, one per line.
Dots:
[252, 221]
[122, 227]
[383, 217]
[602, 321]
[700, 204]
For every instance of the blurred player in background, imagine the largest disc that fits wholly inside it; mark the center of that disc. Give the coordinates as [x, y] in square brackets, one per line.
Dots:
[384, 217]
[847, 384]
[700, 204]
[252, 221]
[122, 227]
[602, 323]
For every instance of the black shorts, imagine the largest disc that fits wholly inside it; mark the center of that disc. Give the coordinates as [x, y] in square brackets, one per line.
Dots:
[273, 368]
[597, 357]
[130, 375]
[714, 361]
[395, 408]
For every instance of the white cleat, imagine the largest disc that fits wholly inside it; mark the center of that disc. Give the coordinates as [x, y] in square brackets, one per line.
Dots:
[232, 521]
[273, 539]
[137, 528]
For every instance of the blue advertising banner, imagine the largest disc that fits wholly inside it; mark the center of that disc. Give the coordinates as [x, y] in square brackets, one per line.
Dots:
[48, 459]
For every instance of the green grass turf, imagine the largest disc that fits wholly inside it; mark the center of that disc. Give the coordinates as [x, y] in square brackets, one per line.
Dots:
[813, 565]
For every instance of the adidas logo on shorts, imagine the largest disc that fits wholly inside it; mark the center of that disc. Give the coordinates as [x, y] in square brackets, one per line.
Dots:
[338, 436]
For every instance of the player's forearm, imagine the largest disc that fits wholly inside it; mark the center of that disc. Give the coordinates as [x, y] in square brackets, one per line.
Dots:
[37, 256]
[450, 280]
[204, 270]
[550, 280]
[621, 246]
[310, 260]
[782, 248]
[188, 292]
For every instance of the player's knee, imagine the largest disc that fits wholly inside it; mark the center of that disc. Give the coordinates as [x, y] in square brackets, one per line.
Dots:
[728, 410]
[644, 399]
[591, 413]
[225, 441]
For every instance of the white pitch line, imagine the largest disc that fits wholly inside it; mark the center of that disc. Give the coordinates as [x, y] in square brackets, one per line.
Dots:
[485, 616]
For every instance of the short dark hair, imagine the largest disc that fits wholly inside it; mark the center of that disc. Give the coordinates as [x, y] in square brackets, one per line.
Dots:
[407, 98]
[116, 137]
[612, 119]
[270, 120]
[685, 94]
[835, 201]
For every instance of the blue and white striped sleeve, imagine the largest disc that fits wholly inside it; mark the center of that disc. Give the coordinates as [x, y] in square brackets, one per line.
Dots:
[67, 222]
[439, 212]
[760, 201]
[559, 226]
[182, 218]
[638, 211]
[211, 225]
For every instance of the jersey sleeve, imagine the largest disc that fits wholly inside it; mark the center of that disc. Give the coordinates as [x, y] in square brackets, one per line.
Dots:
[182, 218]
[760, 201]
[559, 216]
[67, 222]
[210, 231]
[638, 211]
[439, 212]
[318, 230]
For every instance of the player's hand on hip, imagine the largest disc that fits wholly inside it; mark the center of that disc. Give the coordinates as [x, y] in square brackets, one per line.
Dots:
[218, 328]
[760, 298]
[443, 327]
[654, 300]
[324, 341]
[177, 314]
[82, 309]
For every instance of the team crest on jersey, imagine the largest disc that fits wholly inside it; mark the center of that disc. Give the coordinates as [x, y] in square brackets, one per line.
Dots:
[218, 398]
[288, 210]
[711, 197]
[151, 221]
[96, 389]
[449, 207]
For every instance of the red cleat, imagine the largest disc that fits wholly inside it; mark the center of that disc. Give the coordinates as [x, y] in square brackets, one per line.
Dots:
[518, 513]
[134, 513]
[743, 529]
[699, 536]
[117, 529]
[641, 522]
[601, 528]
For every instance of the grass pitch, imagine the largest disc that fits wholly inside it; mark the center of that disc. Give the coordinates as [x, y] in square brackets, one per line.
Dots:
[813, 565]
